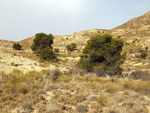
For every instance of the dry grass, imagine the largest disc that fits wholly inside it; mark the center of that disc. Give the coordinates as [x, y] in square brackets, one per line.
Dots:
[103, 100]
[112, 88]
[34, 91]
[138, 86]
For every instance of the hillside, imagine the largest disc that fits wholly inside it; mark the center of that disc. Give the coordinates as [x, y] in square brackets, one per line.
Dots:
[29, 86]
[135, 33]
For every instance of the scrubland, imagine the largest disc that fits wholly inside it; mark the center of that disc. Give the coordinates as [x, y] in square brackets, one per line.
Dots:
[30, 86]
[50, 91]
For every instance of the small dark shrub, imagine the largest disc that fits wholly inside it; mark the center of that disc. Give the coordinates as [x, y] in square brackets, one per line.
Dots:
[56, 50]
[71, 47]
[17, 46]
[143, 54]
[24, 91]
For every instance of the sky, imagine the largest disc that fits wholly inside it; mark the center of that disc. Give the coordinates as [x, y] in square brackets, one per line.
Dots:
[20, 19]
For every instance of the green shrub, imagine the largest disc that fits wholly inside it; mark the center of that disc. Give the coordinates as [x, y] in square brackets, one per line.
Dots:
[71, 47]
[48, 54]
[102, 54]
[17, 46]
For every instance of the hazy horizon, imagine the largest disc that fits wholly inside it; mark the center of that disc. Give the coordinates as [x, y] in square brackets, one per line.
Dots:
[21, 19]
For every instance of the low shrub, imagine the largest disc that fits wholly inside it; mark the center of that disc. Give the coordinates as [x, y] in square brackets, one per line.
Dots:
[56, 50]
[17, 46]
[53, 74]
[48, 55]
[71, 47]
[143, 54]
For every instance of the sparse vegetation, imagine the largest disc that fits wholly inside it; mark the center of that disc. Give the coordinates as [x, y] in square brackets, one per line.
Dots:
[61, 87]
[103, 55]
[27, 93]
[17, 46]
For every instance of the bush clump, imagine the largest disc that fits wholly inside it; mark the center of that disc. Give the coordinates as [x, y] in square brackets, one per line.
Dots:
[48, 55]
[102, 54]
[17, 46]
[42, 46]
[143, 54]
[71, 47]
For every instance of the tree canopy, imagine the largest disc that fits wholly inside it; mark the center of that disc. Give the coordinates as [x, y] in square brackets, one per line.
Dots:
[42, 45]
[102, 54]
[41, 42]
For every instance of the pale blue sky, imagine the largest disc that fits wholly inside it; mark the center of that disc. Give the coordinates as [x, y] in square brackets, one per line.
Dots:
[20, 19]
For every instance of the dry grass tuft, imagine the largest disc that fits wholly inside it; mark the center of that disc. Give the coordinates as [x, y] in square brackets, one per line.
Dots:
[112, 88]
[103, 100]
[35, 74]
[16, 72]
[138, 86]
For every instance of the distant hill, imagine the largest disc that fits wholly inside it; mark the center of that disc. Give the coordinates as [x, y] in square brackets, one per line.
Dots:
[135, 29]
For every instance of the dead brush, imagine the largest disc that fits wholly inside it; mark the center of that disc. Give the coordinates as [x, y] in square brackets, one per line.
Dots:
[53, 74]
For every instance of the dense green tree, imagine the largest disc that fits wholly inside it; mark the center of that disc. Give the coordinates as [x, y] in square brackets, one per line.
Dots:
[71, 47]
[17, 46]
[102, 54]
[41, 42]
[42, 46]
